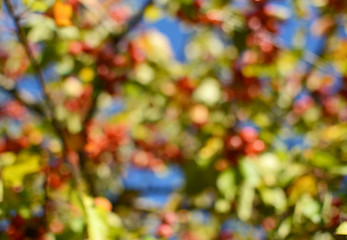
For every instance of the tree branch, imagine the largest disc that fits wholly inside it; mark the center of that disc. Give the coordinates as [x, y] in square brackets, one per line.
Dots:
[76, 180]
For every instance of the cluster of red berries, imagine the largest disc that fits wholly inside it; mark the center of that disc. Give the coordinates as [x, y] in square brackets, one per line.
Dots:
[13, 109]
[105, 139]
[78, 47]
[165, 229]
[25, 229]
[160, 148]
[154, 154]
[336, 216]
[144, 159]
[226, 235]
[113, 68]
[8, 144]
[246, 142]
[80, 103]
[242, 88]
[57, 174]
[186, 85]
[262, 24]
[337, 5]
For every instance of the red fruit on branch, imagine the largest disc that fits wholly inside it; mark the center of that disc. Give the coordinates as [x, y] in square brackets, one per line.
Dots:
[249, 134]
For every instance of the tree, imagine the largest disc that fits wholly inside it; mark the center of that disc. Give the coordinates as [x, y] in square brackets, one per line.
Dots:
[256, 123]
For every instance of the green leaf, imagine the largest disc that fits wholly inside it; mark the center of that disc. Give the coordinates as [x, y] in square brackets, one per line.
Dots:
[249, 172]
[284, 228]
[309, 208]
[25, 164]
[42, 28]
[74, 123]
[226, 184]
[65, 65]
[96, 221]
[340, 170]
[275, 197]
[245, 202]
[68, 33]
[324, 159]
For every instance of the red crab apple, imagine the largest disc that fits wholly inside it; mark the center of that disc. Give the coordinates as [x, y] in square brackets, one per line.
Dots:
[164, 230]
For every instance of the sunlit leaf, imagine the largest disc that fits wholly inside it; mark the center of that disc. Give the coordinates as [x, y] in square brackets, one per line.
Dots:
[245, 202]
[226, 184]
[25, 164]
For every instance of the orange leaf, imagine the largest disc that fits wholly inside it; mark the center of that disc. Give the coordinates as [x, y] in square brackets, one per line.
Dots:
[62, 13]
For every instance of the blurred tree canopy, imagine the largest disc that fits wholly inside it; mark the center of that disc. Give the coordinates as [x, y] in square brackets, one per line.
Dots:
[246, 136]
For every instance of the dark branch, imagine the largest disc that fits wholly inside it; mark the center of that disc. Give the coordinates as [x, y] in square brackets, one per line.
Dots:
[76, 180]
[38, 72]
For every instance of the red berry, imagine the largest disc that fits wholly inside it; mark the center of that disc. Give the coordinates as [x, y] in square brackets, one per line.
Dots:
[234, 142]
[75, 48]
[249, 134]
[165, 231]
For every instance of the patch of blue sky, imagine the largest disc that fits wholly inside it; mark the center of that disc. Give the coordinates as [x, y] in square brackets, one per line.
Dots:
[154, 188]
[4, 96]
[145, 179]
[115, 107]
[296, 141]
[31, 85]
